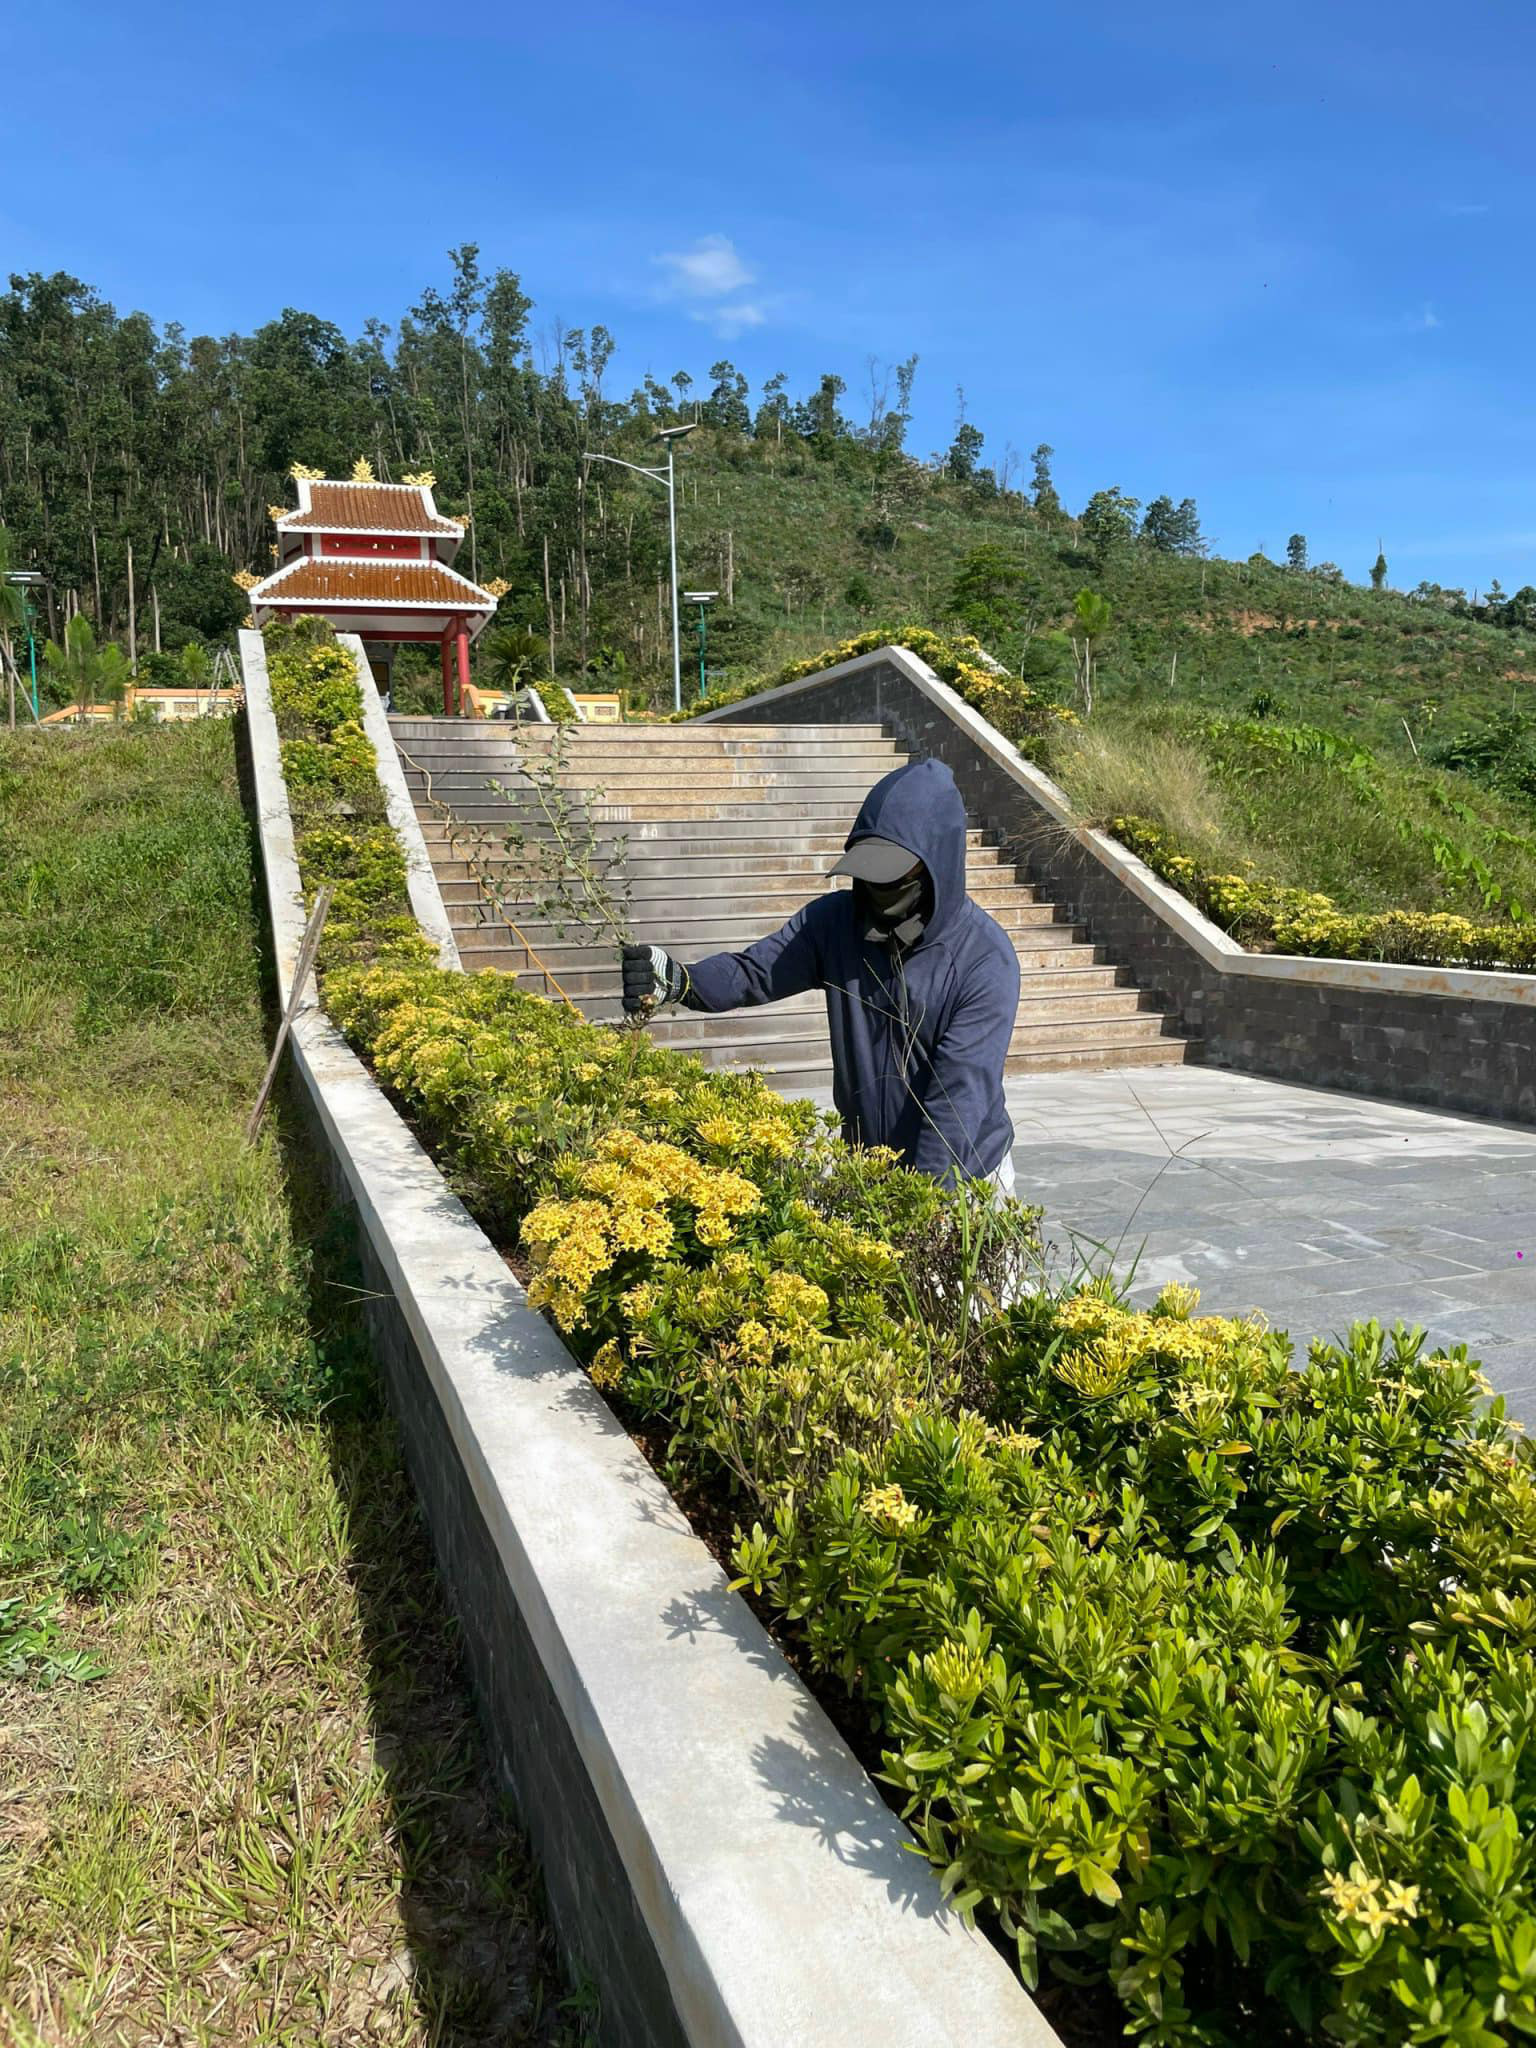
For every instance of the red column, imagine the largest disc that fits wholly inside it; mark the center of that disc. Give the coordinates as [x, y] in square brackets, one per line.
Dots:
[447, 677]
[463, 644]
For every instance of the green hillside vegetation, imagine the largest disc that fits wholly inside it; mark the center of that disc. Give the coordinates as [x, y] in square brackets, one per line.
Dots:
[139, 471]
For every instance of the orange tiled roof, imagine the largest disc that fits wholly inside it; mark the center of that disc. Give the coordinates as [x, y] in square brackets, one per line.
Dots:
[333, 580]
[368, 508]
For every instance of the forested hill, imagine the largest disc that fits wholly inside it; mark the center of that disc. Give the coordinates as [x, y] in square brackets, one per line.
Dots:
[809, 513]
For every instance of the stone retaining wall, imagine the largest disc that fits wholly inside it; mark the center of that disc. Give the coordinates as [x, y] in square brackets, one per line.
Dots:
[1453, 1039]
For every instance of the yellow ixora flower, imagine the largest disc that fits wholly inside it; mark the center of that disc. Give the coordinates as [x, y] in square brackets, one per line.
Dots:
[1176, 1300]
[956, 1669]
[754, 1341]
[607, 1368]
[718, 1130]
[1370, 1901]
[888, 1508]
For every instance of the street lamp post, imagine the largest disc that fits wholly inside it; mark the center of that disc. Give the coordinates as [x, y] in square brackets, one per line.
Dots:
[702, 598]
[668, 477]
[27, 581]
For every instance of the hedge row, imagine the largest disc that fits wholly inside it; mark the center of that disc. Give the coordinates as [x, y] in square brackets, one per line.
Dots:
[1008, 703]
[1203, 1676]
[341, 823]
[1264, 913]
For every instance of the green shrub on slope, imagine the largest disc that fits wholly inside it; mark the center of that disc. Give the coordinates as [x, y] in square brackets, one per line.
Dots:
[1208, 1678]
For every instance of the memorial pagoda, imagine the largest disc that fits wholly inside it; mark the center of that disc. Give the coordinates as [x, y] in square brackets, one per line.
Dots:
[377, 559]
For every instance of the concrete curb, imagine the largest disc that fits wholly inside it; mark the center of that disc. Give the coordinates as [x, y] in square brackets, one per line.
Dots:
[737, 1857]
[1207, 940]
[420, 879]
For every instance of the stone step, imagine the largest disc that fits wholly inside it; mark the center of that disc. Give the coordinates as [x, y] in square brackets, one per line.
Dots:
[826, 782]
[813, 1078]
[738, 807]
[1056, 969]
[801, 1047]
[801, 831]
[773, 900]
[652, 870]
[785, 755]
[691, 842]
[596, 963]
[694, 930]
[1117, 1006]
[483, 731]
[686, 835]
[1074, 992]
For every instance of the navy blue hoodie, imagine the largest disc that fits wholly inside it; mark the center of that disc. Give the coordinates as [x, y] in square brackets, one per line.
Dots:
[919, 1035]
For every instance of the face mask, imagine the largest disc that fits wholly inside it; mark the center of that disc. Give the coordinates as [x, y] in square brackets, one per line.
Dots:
[893, 906]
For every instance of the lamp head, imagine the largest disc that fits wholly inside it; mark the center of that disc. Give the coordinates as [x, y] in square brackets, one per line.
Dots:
[700, 596]
[675, 433]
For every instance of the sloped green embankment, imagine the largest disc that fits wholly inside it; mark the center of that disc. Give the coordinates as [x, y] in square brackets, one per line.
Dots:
[244, 1794]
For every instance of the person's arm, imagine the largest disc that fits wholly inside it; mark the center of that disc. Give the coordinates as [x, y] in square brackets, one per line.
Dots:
[956, 1087]
[786, 963]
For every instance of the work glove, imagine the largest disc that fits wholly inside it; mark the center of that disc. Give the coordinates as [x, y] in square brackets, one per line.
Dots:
[652, 979]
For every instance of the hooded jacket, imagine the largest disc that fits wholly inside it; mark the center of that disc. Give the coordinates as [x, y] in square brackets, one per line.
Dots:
[919, 1034]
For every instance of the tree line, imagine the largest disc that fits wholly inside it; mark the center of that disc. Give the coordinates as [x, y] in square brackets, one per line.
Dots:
[141, 466]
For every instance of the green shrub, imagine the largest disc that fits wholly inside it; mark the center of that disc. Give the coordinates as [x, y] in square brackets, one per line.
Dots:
[1019, 712]
[341, 830]
[1264, 913]
[555, 701]
[1202, 1676]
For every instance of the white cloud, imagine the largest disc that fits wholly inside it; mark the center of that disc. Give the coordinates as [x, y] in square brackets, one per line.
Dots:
[1422, 321]
[709, 269]
[1458, 211]
[728, 321]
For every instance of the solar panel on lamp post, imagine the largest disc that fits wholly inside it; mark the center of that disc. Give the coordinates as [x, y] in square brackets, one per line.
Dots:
[702, 598]
[668, 477]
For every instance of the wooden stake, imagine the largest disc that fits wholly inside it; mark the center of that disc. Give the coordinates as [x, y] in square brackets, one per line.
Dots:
[308, 947]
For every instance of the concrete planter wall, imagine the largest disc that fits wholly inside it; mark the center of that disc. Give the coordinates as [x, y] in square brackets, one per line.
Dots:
[1444, 1037]
[715, 1858]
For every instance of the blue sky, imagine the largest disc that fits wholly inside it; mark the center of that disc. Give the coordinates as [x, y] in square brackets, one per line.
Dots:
[1278, 259]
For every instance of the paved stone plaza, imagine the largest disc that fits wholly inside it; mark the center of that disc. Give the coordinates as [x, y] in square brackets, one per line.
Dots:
[1315, 1207]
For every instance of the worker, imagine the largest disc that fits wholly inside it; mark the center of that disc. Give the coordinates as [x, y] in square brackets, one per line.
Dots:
[922, 987]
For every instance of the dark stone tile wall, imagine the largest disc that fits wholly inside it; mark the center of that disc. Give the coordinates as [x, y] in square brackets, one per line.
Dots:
[597, 1918]
[1443, 1052]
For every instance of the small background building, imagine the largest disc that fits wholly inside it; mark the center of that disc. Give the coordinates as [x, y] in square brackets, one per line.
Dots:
[161, 702]
[377, 559]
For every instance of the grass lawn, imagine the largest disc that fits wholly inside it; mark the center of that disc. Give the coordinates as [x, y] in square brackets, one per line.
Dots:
[242, 1794]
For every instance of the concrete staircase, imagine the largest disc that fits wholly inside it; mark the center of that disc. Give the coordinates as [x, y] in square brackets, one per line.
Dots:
[726, 831]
